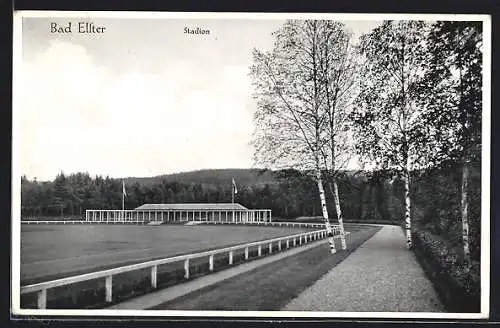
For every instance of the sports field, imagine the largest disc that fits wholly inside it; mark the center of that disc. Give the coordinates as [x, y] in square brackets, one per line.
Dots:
[55, 251]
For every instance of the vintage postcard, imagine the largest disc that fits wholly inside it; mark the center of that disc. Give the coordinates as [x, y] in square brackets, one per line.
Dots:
[251, 165]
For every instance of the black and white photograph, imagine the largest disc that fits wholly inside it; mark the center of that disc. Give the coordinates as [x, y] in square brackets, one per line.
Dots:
[251, 164]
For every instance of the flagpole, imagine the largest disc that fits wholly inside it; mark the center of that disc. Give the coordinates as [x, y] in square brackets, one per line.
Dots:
[123, 201]
[232, 196]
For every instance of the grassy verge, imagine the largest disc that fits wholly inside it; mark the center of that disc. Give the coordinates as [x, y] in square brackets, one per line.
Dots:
[273, 285]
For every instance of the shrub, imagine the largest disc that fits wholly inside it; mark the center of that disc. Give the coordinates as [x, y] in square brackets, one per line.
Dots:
[447, 270]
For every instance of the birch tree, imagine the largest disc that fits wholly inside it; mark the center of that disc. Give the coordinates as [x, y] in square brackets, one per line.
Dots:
[339, 71]
[388, 123]
[453, 100]
[293, 88]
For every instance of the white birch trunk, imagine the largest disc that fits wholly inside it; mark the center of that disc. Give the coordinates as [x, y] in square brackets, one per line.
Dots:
[465, 212]
[328, 227]
[407, 207]
[339, 214]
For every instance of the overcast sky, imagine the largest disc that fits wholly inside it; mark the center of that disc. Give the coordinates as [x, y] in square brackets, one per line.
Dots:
[141, 99]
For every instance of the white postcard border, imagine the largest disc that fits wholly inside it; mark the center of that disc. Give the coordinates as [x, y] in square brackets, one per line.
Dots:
[485, 173]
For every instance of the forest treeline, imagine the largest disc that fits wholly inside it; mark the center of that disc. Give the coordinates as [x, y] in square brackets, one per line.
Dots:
[366, 196]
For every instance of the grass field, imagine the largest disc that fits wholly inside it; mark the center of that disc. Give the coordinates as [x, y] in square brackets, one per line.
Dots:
[54, 251]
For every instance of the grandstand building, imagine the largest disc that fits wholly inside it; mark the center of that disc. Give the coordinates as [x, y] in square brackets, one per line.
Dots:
[211, 212]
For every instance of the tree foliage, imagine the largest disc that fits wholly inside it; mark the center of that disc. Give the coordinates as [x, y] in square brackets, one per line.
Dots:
[303, 89]
[452, 90]
[389, 125]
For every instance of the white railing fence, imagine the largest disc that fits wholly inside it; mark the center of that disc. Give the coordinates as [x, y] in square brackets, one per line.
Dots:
[297, 239]
[76, 222]
[273, 224]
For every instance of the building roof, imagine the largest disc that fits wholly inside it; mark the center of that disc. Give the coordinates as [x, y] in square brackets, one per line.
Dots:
[193, 206]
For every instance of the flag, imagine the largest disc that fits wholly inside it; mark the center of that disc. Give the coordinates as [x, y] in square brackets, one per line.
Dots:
[124, 191]
[234, 185]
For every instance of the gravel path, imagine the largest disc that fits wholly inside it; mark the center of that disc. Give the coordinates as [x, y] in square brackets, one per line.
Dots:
[382, 275]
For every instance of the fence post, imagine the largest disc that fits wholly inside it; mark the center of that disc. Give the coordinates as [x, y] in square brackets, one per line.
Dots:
[279, 246]
[42, 299]
[270, 248]
[287, 243]
[109, 289]
[259, 250]
[186, 269]
[294, 241]
[154, 271]
[230, 257]
[211, 262]
[246, 253]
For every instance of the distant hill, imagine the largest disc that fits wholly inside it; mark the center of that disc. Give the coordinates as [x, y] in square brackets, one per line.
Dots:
[211, 176]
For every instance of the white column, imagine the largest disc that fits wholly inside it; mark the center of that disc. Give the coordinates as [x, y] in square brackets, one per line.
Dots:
[211, 262]
[186, 269]
[109, 289]
[154, 275]
[42, 299]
